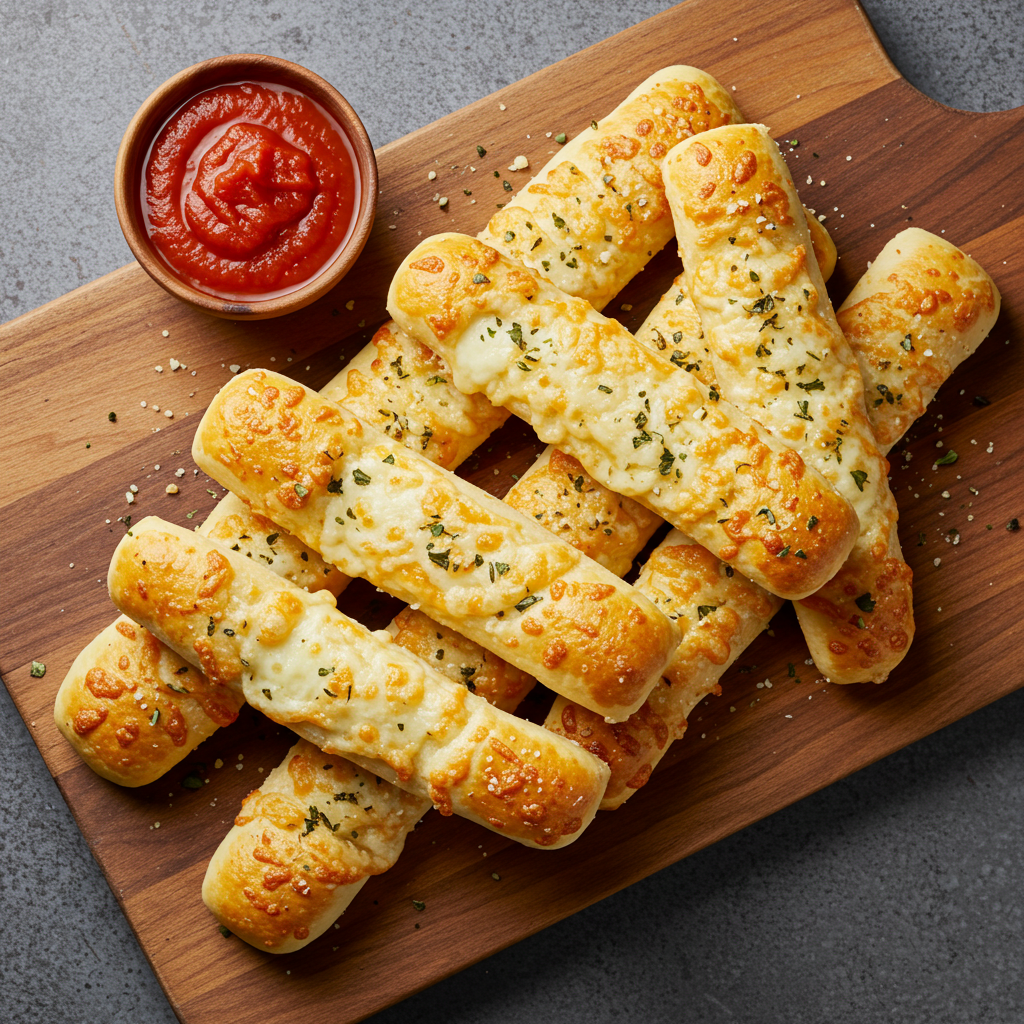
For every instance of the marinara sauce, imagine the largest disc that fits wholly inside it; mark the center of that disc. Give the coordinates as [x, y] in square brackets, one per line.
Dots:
[250, 189]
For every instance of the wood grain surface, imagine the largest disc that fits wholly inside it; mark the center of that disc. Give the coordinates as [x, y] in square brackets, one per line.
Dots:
[821, 78]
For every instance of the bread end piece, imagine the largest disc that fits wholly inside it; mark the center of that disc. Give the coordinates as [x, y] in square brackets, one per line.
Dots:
[921, 309]
[302, 846]
[132, 709]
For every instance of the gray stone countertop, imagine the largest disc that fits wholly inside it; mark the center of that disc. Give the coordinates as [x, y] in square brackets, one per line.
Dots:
[896, 895]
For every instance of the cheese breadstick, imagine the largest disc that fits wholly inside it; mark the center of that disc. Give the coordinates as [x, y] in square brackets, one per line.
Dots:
[376, 510]
[596, 212]
[673, 328]
[640, 427]
[921, 309]
[302, 847]
[779, 354]
[132, 708]
[352, 693]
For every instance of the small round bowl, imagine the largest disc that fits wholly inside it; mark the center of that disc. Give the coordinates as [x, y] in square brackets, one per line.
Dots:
[155, 112]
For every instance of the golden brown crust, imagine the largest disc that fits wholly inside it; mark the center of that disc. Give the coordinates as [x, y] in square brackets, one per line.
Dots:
[302, 846]
[462, 660]
[563, 497]
[631, 749]
[919, 311]
[719, 613]
[467, 560]
[779, 354]
[352, 693]
[132, 709]
[233, 524]
[583, 390]
[596, 212]
[516, 778]
[404, 390]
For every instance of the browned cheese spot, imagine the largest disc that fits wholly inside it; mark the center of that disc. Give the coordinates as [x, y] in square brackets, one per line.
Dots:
[429, 264]
[744, 167]
[620, 147]
[88, 719]
[569, 718]
[127, 734]
[100, 684]
[270, 909]
[701, 154]
[173, 723]
[218, 573]
[554, 653]
[273, 879]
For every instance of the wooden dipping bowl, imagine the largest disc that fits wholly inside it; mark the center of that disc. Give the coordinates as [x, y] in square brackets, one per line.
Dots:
[154, 114]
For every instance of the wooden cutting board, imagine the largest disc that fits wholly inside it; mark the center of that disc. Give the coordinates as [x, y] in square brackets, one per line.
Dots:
[887, 157]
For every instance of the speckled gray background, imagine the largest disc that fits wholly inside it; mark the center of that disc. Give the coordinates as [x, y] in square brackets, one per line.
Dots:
[896, 895]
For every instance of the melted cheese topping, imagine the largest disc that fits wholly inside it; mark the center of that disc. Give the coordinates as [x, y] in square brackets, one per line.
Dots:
[376, 510]
[780, 355]
[351, 692]
[640, 426]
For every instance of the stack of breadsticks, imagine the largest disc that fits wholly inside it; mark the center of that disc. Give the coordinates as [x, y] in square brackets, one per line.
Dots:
[687, 422]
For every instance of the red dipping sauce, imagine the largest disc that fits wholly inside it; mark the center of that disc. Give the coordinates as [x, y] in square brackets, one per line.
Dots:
[250, 190]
